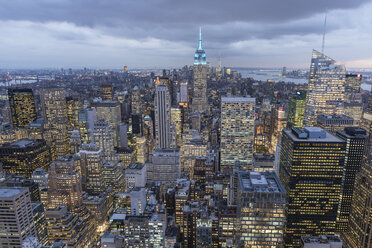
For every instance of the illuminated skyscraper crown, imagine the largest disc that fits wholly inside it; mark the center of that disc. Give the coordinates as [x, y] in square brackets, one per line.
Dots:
[200, 58]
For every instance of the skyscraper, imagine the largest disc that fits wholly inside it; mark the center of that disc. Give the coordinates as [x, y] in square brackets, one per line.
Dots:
[162, 116]
[326, 88]
[296, 109]
[237, 132]
[352, 86]
[355, 145]
[91, 166]
[199, 100]
[261, 204]
[103, 138]
[359, 231]
[311, 171]
[64, 184]
[16, 217]
[22, 107]
[54, 109]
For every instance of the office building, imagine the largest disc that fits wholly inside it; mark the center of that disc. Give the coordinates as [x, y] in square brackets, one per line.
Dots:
[54, 106]
[113, 176]
[311, 171]
[67, 227]
[22, 106]
[135, 176]
[16, 217]
[91, 167]
[164, 166]
[103, 137]
[75, 141]
[200, 70]
[176, 126]
[111, 112]
[73, 107]
[136, 231]
[296, 109]
[107, 92]
[237, 132]
[356, 139]
[40, 222]
[261, 204]
[334, 123]
[359, 231]
[23, 156]
[326, 88]
[64, 184]
[162, 117]
[157, 226]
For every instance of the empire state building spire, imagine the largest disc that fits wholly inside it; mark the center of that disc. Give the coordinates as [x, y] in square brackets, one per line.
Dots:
[200, 58]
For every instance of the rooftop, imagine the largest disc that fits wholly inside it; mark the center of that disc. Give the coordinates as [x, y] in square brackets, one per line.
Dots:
[260, 182]
[10, 192]
[238, 99]
[311, 134]
[323, 239]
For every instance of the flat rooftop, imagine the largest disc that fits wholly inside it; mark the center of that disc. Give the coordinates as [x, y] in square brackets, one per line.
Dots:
[322, 239]
[260, 182]
[10, 192]
[240, 99]
[328, 137]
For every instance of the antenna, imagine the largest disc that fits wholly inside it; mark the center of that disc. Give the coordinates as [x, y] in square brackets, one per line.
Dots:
[324, 31]
[220, 61]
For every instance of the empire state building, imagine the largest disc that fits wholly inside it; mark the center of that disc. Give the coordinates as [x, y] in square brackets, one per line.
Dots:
[199, 100]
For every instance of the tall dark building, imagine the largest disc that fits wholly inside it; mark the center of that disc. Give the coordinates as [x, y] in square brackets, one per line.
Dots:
[107, 92]
[311, 171]
[22, 106]
[137, 124]
[355, 145]
[23, 156]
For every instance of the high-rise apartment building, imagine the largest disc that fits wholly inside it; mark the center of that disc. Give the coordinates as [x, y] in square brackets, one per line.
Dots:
[356, 139]
[22, 106]
[260, 217]
[237, 132]
[162, 116]
[23, 156]
[16, 218]
[296, 109]
[199, 99]
[311, 171]
[326, 88]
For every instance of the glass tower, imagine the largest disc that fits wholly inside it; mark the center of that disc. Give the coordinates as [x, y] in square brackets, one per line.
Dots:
[326, 88]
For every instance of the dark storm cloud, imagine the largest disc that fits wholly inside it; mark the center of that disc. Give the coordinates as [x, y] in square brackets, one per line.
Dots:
[174, 19]
[107, 33]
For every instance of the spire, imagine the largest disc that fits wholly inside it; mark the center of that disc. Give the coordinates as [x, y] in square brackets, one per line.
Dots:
[324, 32]
[200, 39]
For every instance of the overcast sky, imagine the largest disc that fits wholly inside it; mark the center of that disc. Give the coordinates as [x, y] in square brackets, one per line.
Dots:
[164, 33]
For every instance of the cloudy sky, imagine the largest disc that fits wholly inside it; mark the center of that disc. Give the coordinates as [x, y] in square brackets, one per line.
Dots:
[164, 33]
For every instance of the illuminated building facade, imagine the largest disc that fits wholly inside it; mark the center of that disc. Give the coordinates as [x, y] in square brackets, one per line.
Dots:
[311, 171]
[16, 217]
[260, 204]
[23, 156]
[199, 98]
[113, 176]
[22, 106]
[176, 126]
[359, 233]
[355, 146]
[162, 116]
[107, 92]
[164, 166]
[326, 88]
[296, 109]
[40, 222]
[64, 184]
[67, 227]
[237, 132]
[136, 101]
[91, 166]
[103, 138]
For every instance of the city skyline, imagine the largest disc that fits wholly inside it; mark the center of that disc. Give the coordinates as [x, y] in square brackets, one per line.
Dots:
[110, 35]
